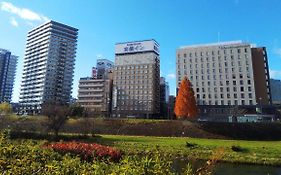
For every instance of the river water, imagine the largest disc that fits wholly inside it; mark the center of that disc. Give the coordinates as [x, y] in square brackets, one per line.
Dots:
[242, 169]
[229, 168]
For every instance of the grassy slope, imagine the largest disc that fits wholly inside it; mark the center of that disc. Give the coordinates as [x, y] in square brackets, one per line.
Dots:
[257, 152]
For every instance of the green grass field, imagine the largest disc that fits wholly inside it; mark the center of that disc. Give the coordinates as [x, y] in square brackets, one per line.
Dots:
[253, 152]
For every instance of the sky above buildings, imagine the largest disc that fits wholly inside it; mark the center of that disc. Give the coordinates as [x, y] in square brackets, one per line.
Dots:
[172, 23]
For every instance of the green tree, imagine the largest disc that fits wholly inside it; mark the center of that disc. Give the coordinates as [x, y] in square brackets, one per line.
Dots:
[5, 108]
[77, 110]
[57, 116]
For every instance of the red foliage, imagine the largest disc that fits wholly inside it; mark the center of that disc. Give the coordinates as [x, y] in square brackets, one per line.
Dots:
[87, 151]
[185, 106]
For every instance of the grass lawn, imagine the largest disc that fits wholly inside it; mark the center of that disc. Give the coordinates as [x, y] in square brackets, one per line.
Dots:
[253, 152]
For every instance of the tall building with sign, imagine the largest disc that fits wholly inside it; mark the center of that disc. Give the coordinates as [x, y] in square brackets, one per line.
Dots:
[227, 73]
[136, 83]
[48, 66]
[8, 63]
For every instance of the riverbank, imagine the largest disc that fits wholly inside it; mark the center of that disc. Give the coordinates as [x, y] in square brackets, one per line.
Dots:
[150, 127]
[232, 151]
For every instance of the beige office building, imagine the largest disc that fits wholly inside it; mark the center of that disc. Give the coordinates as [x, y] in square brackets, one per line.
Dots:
[136, 83]
[226, 73]
[95, 95]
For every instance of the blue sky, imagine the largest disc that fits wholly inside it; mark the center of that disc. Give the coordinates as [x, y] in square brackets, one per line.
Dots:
[172, 23]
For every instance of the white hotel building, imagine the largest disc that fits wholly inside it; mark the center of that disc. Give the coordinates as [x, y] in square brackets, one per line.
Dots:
[226, 73]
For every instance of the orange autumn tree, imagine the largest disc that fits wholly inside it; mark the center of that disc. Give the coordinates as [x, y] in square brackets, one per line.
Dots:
[185, 106]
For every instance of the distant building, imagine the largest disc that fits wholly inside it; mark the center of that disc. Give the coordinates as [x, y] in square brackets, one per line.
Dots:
[94, 73]
[136, 84]
[95, 92]
[275, 86]
[48, 66]
[164, 97]
[104, 68]
[8, 63]
[171, 107]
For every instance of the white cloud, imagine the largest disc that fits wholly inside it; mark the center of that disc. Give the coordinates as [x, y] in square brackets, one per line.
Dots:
[171, 76]
[14, 22]
[23, 13]
[276, 74]
[99, 56]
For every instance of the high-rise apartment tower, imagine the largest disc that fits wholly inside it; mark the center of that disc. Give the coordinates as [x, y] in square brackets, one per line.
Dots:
[48, 66]
[8, 63]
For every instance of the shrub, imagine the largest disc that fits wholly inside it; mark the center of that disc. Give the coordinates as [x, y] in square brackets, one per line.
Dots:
[236, 148]
[190, 145]
[87, 151]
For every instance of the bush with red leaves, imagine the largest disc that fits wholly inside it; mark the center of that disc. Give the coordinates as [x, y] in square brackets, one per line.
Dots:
[87, 151]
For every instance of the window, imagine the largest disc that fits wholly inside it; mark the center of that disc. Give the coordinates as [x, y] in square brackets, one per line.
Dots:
[249, 89]
[242, 96]
[250, 95]
[241, 82]
[227, 89]
[184, 55]
[242, 89]
[249, 82]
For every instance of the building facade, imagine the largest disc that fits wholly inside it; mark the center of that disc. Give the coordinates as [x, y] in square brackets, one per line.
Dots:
[104, 68]
[275, 86]
[48, 66]
[227, 73]
[8, 64]
[164, 97]
[95, 95]
[136, 83]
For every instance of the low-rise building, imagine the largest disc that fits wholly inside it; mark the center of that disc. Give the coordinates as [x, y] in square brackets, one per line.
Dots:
[95, 95]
